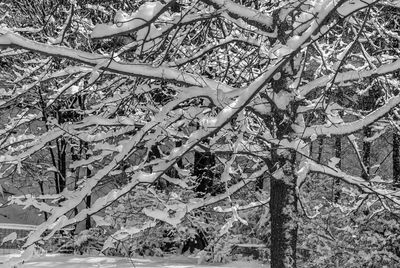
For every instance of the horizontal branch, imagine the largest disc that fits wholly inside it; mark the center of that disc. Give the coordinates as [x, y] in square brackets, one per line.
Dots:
[210, 127]
[207, 49]
[146, 15]
[364, 185]
[237, 11]
[105, 63]
[348, 77]
[348, 128]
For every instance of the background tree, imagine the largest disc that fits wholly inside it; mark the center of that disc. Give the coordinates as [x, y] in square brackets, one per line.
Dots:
[250, 85]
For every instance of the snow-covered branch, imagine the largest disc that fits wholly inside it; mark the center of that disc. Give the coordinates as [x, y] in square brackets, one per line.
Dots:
[348, 128]
[124, 24]
[249, 15]
[365, 186]
[103, 62]
[211, 47]
[349, 77]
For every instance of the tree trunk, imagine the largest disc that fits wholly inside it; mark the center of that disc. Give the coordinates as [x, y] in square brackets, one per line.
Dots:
[366, 154]
[204, 162]
[88, 204]
[84, 149]
[338, 154]
[63, 165]
[283, 209]
[320, 148]
[42, 193]
[396, 159]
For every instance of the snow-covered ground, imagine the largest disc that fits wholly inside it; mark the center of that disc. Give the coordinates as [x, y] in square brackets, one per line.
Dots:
[67, 261]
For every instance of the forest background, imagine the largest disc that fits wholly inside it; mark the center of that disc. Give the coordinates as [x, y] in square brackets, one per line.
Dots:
[229, 129]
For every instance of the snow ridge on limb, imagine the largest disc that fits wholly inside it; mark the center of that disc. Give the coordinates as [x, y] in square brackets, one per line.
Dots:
[211, 126]
[348, 77]
[225, 41]
[137, 178]
[146, 15]
[364, 185]
[351, 127]
[184, 208]
[140, 70]
[249, 15]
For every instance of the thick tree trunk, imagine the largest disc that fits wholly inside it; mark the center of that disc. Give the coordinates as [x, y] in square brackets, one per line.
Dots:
[283, 198]
[396, 159]
[283, 209]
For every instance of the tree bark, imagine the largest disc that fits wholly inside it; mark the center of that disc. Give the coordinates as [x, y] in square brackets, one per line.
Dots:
[204, 162]
[366, 154]
[283, 209]
[320, 148]
[88, 204]
[396, 159]
[338, 154]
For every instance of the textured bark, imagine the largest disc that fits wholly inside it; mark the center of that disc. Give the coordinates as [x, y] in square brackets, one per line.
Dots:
[203, 170]
[320, 148]
[89, 197]
[366, 154]
[62, 166]
[338, 154]
[283, 208]
[42, 193]
[88, 204]
[396, 159]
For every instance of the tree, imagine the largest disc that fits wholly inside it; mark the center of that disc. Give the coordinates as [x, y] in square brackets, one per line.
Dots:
[253, 83]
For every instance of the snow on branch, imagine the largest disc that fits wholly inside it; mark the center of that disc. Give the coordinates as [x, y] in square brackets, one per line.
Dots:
[141, 70]
[349, 76]
[211, 124]
[123, 24]
[249, 15]
[348, 128]
[78, 196]
[365, 186]
[207, 49]
[181, 209]
[36, 145]
[245, 207]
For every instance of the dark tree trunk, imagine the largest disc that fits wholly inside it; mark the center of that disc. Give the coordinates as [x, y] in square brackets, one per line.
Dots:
[338, 154]
[320, 148]
[283, 209]
[172, 172]
[84, 148]
[62, 165]
[366, 154]
[396, 159]
[204, 163]
[89, 197]
[42, 193]
[154, 153]
[283, 197]
[88, 204]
